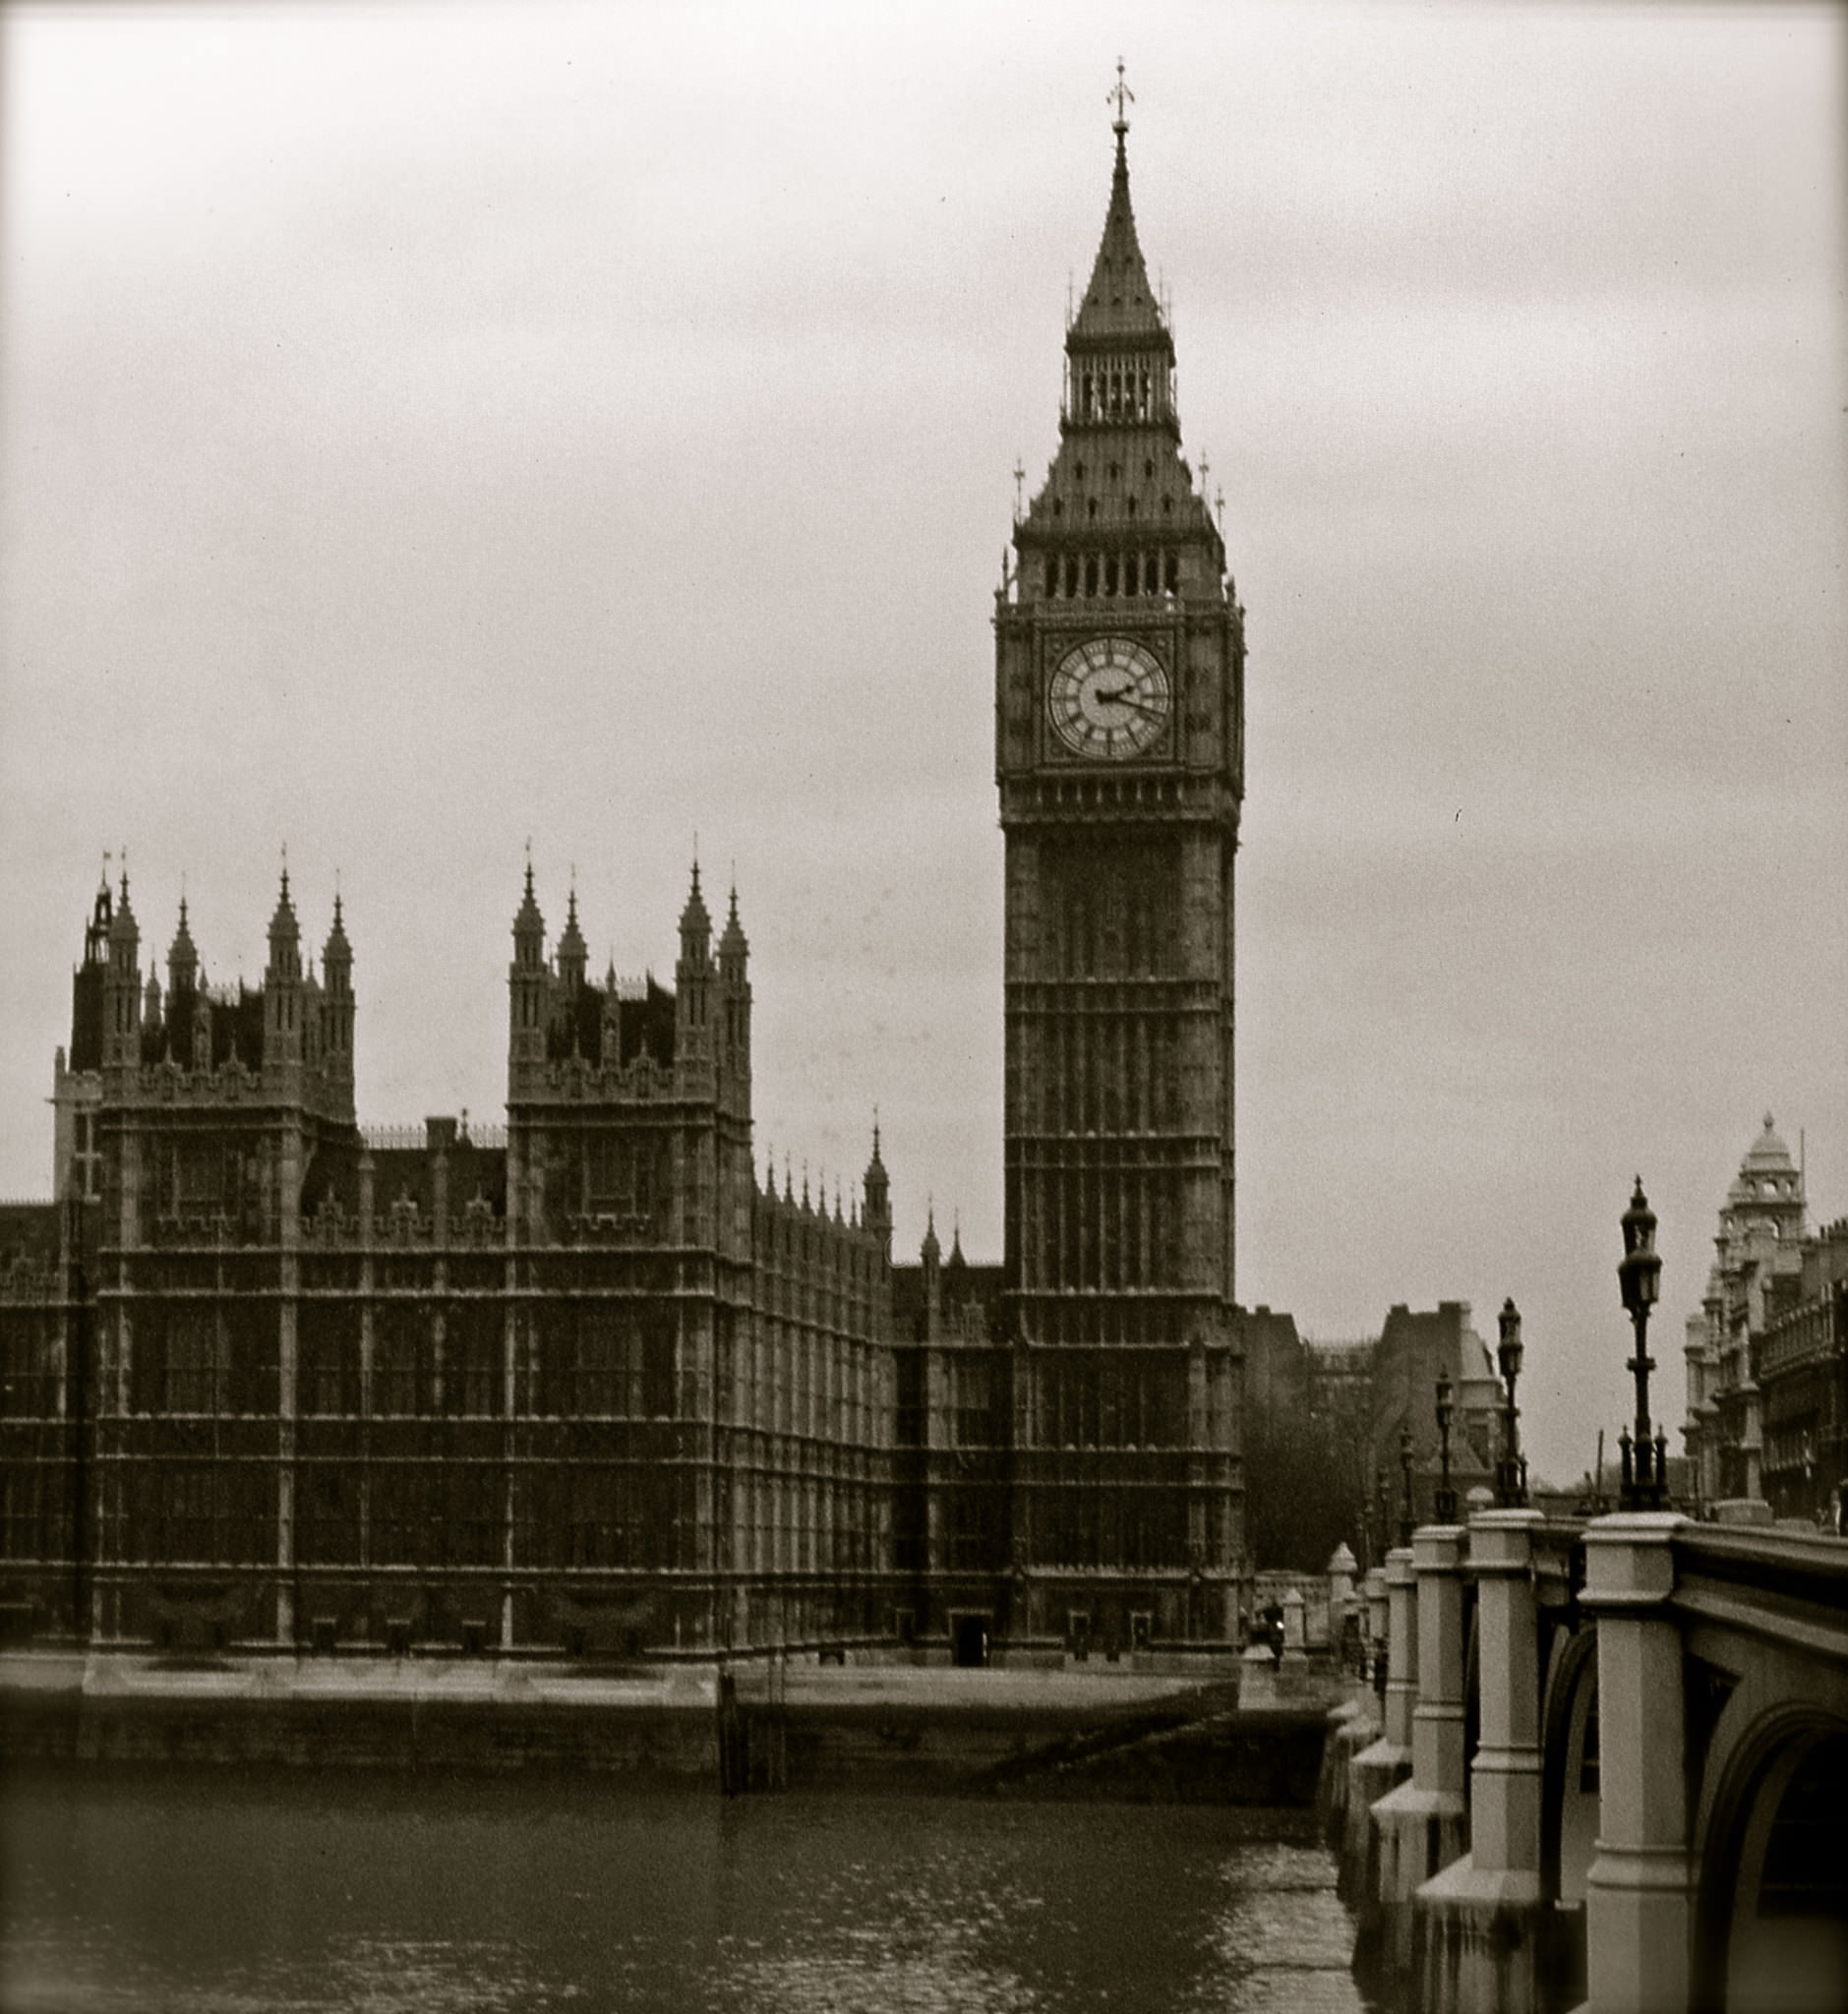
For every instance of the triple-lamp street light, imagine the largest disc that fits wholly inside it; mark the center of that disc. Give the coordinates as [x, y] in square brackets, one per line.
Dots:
[1511, 1472]
[1640, 1276]
[1409, 1516]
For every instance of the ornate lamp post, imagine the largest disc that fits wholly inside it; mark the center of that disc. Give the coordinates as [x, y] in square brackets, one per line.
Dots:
[1639, 1277]
[1511, 1472]
[1443, 1508]
[1407, 1516]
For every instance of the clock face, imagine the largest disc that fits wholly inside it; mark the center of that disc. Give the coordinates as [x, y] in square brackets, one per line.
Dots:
[1107, 698]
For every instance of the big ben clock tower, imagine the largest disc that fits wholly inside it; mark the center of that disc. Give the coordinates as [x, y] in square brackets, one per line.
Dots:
[1119, 752]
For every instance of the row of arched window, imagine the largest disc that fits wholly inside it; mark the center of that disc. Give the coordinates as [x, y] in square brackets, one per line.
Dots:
[1072, 576]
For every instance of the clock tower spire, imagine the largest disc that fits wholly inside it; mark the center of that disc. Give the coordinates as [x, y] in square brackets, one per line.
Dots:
[1119, 726]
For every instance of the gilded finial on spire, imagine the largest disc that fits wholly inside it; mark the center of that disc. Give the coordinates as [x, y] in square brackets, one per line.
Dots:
[1123, 97]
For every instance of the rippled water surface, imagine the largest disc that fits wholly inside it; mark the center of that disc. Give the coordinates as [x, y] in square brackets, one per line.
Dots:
[240, 1897]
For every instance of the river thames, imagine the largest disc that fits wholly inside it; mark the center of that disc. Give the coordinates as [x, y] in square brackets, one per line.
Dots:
[278, 1894]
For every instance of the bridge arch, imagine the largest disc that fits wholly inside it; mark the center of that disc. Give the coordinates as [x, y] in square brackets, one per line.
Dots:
[1569, 1777]
[1772, 1923]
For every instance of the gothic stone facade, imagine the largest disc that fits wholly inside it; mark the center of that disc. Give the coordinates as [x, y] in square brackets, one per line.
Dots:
[586, 1385]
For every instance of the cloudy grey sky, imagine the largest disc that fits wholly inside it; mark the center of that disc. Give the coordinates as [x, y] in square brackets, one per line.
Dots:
[428, 426]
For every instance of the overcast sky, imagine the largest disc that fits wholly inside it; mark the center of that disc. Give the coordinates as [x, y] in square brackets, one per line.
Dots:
[432, 427]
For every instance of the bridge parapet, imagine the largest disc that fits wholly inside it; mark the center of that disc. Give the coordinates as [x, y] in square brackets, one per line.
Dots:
[1780, 1588]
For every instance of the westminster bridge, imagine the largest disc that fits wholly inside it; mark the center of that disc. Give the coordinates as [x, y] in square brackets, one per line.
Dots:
[1609, 1771]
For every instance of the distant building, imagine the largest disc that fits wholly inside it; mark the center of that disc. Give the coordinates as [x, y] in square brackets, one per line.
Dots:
[1414, 1349]
[1803, 1380]
[1756, 1276]
[1323, 1421]
[1768, 1353]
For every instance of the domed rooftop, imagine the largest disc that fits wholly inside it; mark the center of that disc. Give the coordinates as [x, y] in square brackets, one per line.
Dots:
[1768, 1153]
[1767, 1170]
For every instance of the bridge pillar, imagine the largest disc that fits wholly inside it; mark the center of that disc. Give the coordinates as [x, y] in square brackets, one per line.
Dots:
[1421, 1823]
[1437, 1722]
[1483, 1930]
[1402, 1648]
[1505, 1805]
[1639, 1899]
[1382, 1764]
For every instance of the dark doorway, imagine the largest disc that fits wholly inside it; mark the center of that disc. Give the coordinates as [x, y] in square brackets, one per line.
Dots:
[968, 1640]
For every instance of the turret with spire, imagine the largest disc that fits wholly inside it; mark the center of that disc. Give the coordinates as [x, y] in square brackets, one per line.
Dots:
[336, 1014]
[121, 1048]
[693, 976]
[735, 997]
[86, 981]
[284, 1041]
[878, 1193]
[182, 959]
[573, 953]
[527, 985]
[931, 1253]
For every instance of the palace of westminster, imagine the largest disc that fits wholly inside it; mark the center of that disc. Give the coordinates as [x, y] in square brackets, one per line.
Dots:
[583, 1383]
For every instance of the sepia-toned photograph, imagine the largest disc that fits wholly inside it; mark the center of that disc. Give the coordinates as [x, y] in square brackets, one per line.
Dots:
[923, 1063]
